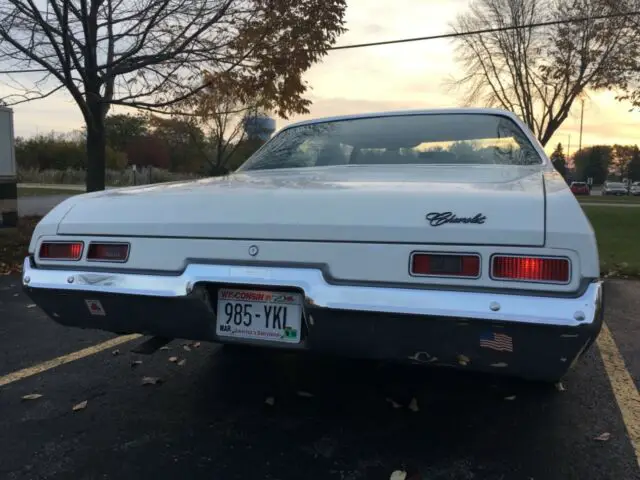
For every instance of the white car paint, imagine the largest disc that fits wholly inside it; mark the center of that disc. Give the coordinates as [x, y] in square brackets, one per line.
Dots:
[360, 222]
[346, 203]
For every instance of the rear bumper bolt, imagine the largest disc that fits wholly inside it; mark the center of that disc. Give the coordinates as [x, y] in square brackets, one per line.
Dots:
[70, 280]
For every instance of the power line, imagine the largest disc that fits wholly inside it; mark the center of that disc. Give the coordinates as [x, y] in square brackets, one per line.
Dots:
[486, 30]
[432, 37]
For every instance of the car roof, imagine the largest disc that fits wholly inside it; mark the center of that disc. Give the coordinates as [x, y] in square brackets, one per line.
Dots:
[409, 112]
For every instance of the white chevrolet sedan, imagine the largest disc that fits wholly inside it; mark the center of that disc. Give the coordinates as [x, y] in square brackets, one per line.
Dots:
[439, 237]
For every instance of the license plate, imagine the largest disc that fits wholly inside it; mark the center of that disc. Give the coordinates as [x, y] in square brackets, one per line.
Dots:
[259, 315]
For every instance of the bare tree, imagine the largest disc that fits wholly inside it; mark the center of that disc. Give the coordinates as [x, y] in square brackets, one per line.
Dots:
[625, 75]
[151, 54]
[538, 72]
[221, 113]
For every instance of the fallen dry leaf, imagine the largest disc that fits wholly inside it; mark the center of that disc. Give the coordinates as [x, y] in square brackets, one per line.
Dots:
[463, 360]
[80, 406]
[196, 345]
[173, 359]
[393, 403]
[164, 348]
[135, 363]
[14, 245]
[560, 387]
[187, 348]
[270, 401]
[182, 362]
[398, 475]
[512, 397]
[115, 352]
[302, 393]
[151, 380]
[31, 396]
[603, 437]
[31, 305]
[413, 406]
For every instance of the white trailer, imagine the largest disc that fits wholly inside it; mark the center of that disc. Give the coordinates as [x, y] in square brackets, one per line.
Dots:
[8, 172]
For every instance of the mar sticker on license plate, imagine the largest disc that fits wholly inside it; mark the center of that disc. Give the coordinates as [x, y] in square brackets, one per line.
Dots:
[259, 315]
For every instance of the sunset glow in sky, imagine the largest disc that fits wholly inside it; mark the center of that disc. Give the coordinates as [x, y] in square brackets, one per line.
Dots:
[388, 77]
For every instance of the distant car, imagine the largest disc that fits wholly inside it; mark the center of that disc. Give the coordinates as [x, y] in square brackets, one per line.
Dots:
[358, 235]
[580, 188]
[635, 188]
[614, 188]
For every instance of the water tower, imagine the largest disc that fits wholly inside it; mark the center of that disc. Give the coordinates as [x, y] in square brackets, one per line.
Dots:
[259, 126]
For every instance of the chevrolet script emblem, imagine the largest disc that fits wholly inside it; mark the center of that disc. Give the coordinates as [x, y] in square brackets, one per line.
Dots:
[440, 218]
[253, 250]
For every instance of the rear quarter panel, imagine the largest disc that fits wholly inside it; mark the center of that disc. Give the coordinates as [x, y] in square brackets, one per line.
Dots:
[567, 226]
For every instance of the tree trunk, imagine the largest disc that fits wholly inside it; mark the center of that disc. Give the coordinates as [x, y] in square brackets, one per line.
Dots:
[96, 156]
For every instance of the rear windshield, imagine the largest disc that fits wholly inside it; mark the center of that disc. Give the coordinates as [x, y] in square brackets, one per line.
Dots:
[616, 185]
[428, 139]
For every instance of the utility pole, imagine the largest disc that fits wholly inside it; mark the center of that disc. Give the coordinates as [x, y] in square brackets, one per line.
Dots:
[581, 123]
[569, 148]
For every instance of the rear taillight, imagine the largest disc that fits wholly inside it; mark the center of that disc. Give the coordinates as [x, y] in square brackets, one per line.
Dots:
[61, 250]
[108, 252]
[445, 265]
[531, 269]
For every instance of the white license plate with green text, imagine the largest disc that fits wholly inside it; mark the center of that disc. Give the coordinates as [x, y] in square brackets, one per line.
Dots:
[259, 315]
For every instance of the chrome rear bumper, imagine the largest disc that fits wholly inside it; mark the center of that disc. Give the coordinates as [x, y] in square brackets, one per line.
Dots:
[486, 306]
[437, 327]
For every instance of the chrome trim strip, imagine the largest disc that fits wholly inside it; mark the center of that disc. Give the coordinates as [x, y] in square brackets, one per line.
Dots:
[568, 312]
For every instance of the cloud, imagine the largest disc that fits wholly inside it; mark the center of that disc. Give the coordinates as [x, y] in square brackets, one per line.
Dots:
[372, 29]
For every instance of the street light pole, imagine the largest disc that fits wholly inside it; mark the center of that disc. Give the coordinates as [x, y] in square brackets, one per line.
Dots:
[581, 123]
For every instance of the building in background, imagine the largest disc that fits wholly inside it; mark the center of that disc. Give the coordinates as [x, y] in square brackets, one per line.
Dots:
[259, 127]
[8, 172]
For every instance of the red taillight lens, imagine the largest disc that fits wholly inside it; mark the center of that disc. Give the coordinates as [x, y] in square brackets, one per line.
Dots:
[537, 269]
[108, 252]
[61, 250]
[445, 265]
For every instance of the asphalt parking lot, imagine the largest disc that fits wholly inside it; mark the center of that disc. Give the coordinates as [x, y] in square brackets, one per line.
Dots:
[221, 414]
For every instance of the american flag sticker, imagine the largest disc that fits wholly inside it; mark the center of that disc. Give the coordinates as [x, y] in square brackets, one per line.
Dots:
[95, 307]
[496, 341]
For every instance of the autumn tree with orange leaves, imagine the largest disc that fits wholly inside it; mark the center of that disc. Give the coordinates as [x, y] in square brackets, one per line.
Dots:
[156, 54]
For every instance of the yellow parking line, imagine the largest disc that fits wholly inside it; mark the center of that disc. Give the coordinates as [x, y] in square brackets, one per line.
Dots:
[56, 362]
[623, 387]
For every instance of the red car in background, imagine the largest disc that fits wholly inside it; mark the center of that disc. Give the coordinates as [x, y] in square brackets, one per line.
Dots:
[580, 188]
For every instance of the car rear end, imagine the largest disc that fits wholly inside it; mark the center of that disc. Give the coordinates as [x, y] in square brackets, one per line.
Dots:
[580, 188]
[491, 268]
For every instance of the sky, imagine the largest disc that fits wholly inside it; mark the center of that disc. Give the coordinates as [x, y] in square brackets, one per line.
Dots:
[391, 77]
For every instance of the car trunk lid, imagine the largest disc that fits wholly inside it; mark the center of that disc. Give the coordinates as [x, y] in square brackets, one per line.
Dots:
[491, 205]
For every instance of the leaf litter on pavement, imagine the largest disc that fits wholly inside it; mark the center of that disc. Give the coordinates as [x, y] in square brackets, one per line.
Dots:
[32, 396]
[398, 475]
[14, 245]
[151, 381]
[80, 406]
